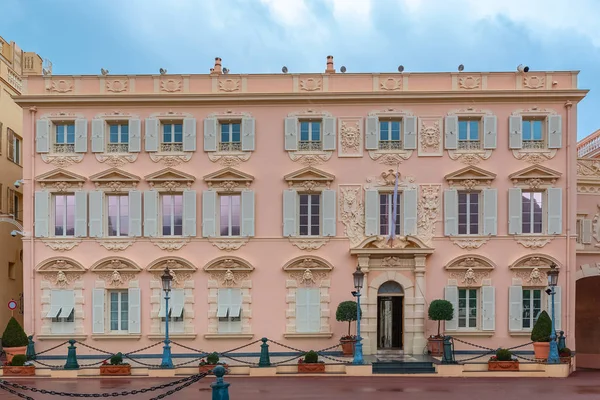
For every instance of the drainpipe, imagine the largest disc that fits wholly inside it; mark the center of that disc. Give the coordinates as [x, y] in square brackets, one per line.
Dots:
[31, 186]
[569, 265]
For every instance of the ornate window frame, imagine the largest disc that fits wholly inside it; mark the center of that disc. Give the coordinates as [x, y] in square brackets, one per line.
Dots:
[170, 159]
[471, 156]
[60, 160]
[229, 272]
[308, 271]
[531, 270]
[310, 158]
[391, 157]
[182, 272]
[535, 156]
[115, 159]
[229, 158]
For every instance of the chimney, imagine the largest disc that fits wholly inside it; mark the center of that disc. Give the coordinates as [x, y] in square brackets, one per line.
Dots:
[330, 69]
[217, 69]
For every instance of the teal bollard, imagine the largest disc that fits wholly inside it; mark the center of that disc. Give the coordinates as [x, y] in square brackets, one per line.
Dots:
[562, 341]
[72, 356]
[220, 389]
[448, 355]
[265, 360]
[30, 354]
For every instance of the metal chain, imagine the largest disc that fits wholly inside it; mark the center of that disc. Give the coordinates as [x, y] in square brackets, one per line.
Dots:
[47, 365]
[177, 389]
[238, 360]
[94, 348]
[189, 348]
[319, 352]
[188, 362]
[53, 348]
[241, 347]
[12, 391]
[285, 361]
[141, 362]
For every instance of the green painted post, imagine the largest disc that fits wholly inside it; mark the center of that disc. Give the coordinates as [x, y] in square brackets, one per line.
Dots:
[448, 355]
[264, 361]
[72, 356]
[30, 354]
[562, 341]
[220, 389]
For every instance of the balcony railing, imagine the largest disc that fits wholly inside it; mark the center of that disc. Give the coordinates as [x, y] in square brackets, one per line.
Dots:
[310, 146]
[589, 147]
[63, 148]
[171, 147]
[390, 145]
[469, 145]
[15, 81]
[533, 144]
[117, 148]
[230, 146]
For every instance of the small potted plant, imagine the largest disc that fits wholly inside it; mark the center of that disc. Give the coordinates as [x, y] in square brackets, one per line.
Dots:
[565, 355]
[212, 360]
[540, 336]
[14, 340]
[503, 361]
[18, 366]
[439, 310]
[346, 312]
[310, 364]
[116, 367]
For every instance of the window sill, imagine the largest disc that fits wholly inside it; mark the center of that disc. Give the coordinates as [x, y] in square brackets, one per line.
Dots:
[520, 333]
[111, 336]
[61, 337]
[326, 335]
[470, 333]
[176, 336]
[228, 336]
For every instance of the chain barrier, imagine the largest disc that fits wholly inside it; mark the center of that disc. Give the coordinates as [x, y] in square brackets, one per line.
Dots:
[319, 352]
[491, 351]
[189, 348]
[47, 365]
[241, 347]
[52, 348]
[239, 360]
[12, 391]
[177, 389]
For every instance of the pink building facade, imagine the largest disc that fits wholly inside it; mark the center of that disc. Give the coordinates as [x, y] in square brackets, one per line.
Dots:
[262, 193]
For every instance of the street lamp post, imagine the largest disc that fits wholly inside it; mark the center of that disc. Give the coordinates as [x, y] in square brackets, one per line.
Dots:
[166, 279]
[553, 357]
[359, 277]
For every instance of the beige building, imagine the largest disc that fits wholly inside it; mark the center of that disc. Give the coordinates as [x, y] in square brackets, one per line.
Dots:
[14, 64]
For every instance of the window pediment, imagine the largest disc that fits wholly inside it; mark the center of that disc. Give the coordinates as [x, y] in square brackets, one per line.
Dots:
[227, 263]
[60, 180]
[60, 264]
[115, 179]
[173, 263]
[170, 179]
[228, 179]
[473, 262]
[115, 264]
[470, 178]
[303, 263]
[535, 176]
[536, 260]
[531, 270]
[309, 178]
[469, 271]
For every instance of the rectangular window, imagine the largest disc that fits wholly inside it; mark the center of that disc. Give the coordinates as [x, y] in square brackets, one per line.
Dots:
[579, 230]
[390, 134]
[62, 311]
[14, 146]
[533, 134]
[64, 215]
[229, 310]
[386, 206]
[118, 215]
[172, 214]
[119, 310]
[175, 312]
[12, 271]
[468, 134]
[532, 307]
[118, 138]
[231, 136]
[467, 308]
[229, 216]
[310, 136]
[532, 212]
[308, 310]
[64, 139]
[310, 214]
[13, 199]
[172, 139]
[468, 213]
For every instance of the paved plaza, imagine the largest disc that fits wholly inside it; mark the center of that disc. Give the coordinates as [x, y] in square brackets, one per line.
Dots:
[582, 385]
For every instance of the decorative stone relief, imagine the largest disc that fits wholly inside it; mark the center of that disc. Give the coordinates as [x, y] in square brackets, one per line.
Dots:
[171, 85]
[533, 242]
[470, 243]
[350, 137]
[171, 160]
[532, 269]
[116, 160]
[533, 277]
[393, 262]
[115, 272]
[596, 226]
[390, 84]
[116, 244]
[61, 244]
[588, 168]
[388, 179]
[352, 213]
[229, 85]
[181, 270]
[430, 136]
[228, 244]
[311, 84]
[470, 270]
[170, 244]
[60, 86]
[534, 82]
[310, 159]
[60, 272]
[469, 82]
[62, 160]
[308, 244]
[117, 85]
[427, 211]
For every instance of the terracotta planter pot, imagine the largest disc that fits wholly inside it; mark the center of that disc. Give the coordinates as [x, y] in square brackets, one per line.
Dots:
[348, 346]
[435, 346]
[311, 368]
[503, 365]
[209, 367]
[19, 371]
[13, 351]
[115, 370]
[541, 350]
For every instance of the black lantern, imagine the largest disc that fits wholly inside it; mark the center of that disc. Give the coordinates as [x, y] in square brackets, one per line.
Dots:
[166, 280]
[553, 275]
[359, 277]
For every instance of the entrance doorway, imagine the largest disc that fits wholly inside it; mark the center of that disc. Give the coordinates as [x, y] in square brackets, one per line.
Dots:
[390, 304]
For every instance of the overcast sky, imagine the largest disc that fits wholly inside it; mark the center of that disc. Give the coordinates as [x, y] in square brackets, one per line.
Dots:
[253, 36]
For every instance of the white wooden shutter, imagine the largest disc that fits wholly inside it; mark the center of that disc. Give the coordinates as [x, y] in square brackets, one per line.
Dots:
[189, 213]
[135, 213]
[235, 303]
[451, 294]
[451, 132]
[410, 212]
[515, 131]
[302, 299]
[209, 213]
[135, 310]
[329, 133]
[135, 135]
[515, 308]
[557, 307]
[178, 303]
[248, 213]
[291, 133]
[371, 212]
[150, 213]
[586, 231]
[290, 211]
[490, 212]
[223, 302]
[554, 131]
[189, 134]
[67, 303]
[372, 133]
[81, 135]
[314, 309]
[96, 213]
[42, 214]
[152, 134]
[488, 307]
[450, 212]
[554, 211]
[98, 310]
[248, 134]
[329, 211]
[490, 132]
[211, 129]
[515, 211]
[55, 304]
[80, 214]
[98, 133]
[410, 133]
[42, 135]
[162, 311]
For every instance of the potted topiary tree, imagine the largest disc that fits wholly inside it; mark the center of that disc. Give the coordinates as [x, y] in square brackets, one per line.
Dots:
[116, 367]
[346, 312]
[503, 361]
[540, 336]
[565, 355]
[439, 310]
[212, 360]
[14, 339]
[311, 363]
[19, 366]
